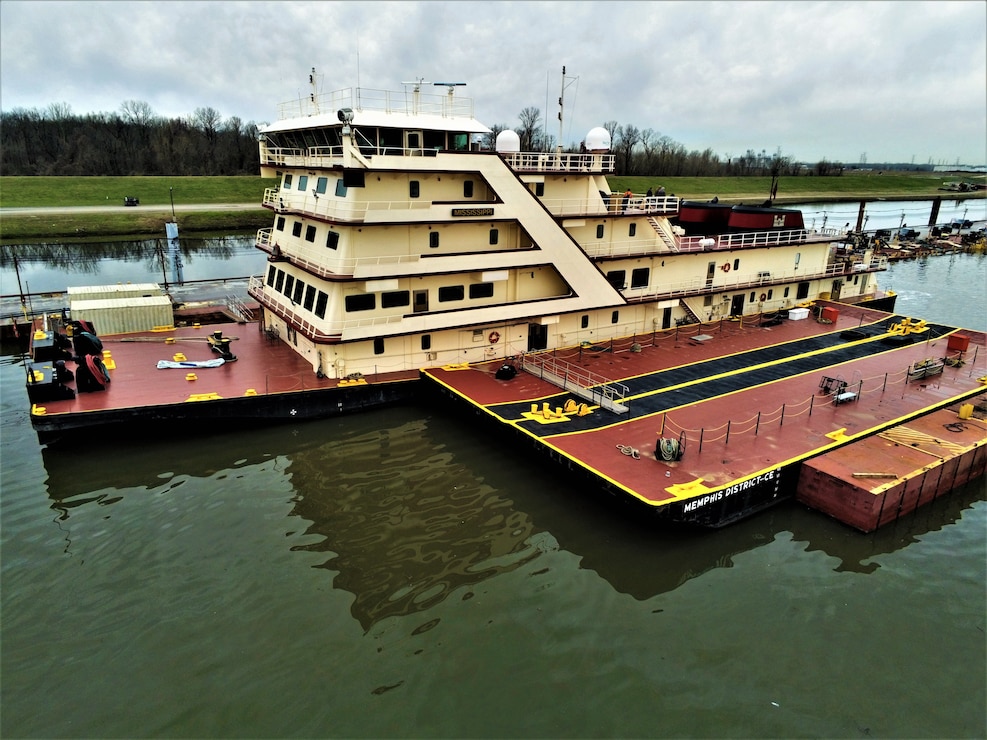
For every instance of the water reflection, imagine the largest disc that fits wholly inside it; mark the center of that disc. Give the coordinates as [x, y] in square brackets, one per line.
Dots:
[410, 508]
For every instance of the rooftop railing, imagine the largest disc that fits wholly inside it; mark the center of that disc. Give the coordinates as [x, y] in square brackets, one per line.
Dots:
[407, 102]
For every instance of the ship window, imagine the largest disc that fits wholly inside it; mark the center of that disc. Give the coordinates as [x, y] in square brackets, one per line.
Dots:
[801, 291]
[640, 277]
[309, 297]
[468, 189]
[426, 341]
[614, 317]
[302, 182]
[270, 276]
[736, 264]
[361, 302]
[769, 293]
[296, 228]
[379, 345]
[433, 239]
[340, 188]
[451, 293]
[397, 298]
[280, 224]
[632, 230]
[753, 296]
[299, 288]
[332, 239]
[289, 283]
[786, 293]
[354, 178]
[599, 231]
[617, 278]
[321, 185]
[279, 283]
[481, 290]
[539, 189]
[494, 236]
[585, 321]
[414, 189]
[708, 300]
[287, 181]
[320, 305]
[310, 233]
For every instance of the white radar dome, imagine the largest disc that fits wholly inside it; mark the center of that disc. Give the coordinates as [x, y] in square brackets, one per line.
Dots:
[598, 140]
[508, 142]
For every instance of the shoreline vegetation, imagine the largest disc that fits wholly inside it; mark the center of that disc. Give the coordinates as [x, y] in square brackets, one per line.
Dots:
[158, 194]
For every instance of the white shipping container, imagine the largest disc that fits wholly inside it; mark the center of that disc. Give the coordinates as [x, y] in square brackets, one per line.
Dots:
[120, 290]
[124, 315]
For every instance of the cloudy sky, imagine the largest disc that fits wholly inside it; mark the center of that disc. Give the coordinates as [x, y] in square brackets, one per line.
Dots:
[892, 81]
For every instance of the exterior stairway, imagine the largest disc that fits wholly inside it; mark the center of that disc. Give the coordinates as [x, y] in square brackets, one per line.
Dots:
[661, 228]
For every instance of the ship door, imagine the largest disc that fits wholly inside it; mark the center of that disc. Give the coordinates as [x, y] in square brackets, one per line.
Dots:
[421, 301]
[837, 287]
[537, 337]
[737, 305]
[413, 142]
[666, 318]
[710, 273]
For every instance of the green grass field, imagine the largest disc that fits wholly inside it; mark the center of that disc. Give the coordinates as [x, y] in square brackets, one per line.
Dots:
[54, 192]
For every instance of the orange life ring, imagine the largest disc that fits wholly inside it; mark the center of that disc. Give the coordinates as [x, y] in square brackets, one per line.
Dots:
[725, 267]
[494, 337]
[764, 297]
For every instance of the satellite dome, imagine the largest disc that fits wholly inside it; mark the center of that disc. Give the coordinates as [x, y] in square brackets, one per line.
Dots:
[598, 140]
[508, 142]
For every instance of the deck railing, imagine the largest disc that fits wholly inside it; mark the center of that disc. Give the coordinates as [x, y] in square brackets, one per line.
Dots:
[580, 381]
[406, 102]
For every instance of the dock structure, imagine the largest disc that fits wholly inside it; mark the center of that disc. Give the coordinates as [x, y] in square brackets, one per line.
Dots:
[717, 429]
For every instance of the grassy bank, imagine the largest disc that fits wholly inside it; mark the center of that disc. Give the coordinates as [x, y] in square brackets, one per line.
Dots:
[55, 192]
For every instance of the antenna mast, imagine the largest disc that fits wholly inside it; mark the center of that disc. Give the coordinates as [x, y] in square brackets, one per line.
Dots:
[313, 95]
[558, 144]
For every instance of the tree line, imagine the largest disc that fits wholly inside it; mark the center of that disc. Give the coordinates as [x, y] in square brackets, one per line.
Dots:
[136, 141]
[133, 141]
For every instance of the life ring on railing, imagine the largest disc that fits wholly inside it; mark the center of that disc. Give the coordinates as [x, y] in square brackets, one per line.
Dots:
[725, 267]
[494, 337]
[764, 297]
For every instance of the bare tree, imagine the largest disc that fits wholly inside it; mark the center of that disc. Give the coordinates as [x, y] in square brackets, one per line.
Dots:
[137, 112]
[528, 131]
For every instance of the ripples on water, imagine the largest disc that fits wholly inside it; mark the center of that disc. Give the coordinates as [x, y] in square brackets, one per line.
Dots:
[406, 573]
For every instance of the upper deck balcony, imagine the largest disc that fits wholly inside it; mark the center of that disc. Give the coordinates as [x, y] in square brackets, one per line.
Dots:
[407, 102]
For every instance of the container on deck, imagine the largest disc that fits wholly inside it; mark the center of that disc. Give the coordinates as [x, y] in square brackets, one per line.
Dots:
[797, 314]
[958, 343]
[830, 314]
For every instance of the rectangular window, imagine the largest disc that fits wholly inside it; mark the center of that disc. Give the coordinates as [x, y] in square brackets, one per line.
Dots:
[309, 297]
[289, 283]
[320, 305]
[433, 239]
[280, 223]
[340, 188]
[361, 302]
[481, 290]
[321, 185]
[279, 282]
[310, 233]
[332, 239]
[736, 264]
[584, 322]
[599, 231]
[617, 278]
[632, 230]
[494, 236]
[640, 277]
[786, 293]
[379, 345]
[287, 181]
[296, 228]
[414, 189]
[395, 299]
[299, 289]
[770, 291]
[753, 296]
[270, 276]
[302, 182]
[614, 317]
[451, 293]
[426, 341]
[539, 189]
[468, 189]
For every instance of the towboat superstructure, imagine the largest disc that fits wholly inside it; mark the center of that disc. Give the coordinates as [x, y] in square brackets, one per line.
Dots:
[402, 240]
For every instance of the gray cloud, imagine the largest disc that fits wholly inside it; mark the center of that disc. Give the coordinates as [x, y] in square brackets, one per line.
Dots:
[895, 80]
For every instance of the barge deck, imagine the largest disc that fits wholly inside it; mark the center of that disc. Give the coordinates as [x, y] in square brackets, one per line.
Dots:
[742, 403]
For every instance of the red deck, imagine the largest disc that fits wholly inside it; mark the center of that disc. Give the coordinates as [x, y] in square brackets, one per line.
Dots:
[734, 440]
[264, 366]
